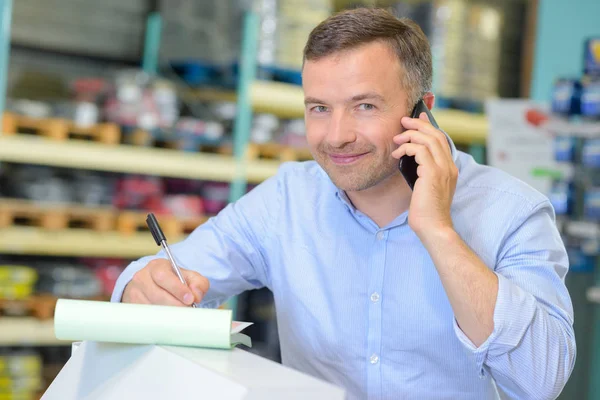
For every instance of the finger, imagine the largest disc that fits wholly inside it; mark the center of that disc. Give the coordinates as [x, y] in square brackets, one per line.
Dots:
[438, 153]
[198, 283]
[164, 276]
[135, 295]
[159, 296]
[422, 124]
[418, 124]
[421, 153]
[401, 138]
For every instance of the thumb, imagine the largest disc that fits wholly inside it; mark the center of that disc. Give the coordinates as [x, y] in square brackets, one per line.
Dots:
[423, 117]
[198, 283]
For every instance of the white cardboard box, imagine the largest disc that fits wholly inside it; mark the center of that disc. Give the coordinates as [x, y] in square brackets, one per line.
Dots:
[118, 371]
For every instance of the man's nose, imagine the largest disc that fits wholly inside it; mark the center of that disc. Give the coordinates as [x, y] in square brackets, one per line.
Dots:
[341, 130]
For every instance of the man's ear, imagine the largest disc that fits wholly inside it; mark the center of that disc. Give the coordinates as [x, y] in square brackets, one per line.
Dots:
[429, 99]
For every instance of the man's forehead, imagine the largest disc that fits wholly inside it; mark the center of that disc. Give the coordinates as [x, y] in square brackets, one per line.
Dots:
[376, 51]
[353, 72]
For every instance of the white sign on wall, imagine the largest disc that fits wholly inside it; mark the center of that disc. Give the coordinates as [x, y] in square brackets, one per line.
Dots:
[516, 145]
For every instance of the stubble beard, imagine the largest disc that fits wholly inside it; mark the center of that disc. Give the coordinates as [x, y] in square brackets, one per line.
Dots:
[365, 174]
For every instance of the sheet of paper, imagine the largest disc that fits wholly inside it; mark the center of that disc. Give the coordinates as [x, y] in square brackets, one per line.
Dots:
[145, 324]
[237, 326]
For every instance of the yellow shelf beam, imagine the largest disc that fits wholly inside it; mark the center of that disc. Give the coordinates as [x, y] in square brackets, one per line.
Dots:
[463, 127]
[287, 101]
[281, 99]
[129, 159]
[28, 331]
[76, 243]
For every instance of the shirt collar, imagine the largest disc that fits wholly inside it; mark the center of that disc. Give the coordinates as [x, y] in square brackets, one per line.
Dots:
[453, 150]
[340, 194]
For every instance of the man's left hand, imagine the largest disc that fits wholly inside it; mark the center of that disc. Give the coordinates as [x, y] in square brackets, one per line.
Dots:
[433, 192]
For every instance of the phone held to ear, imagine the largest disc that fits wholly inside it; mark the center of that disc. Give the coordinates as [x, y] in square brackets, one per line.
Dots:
[407, 164]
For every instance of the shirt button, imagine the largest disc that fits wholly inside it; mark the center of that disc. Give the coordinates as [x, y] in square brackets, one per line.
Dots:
[374, 359]
[380, 235]
[375, 297]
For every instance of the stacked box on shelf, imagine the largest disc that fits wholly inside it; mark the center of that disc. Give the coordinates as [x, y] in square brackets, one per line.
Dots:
[106, 28]
[17, 282]
[283, 31]
[20, 374]
[32, 290]
[295, 21]
[576, 195]
[576, 104]
[57, 199]
[475, 48]
[204, 30]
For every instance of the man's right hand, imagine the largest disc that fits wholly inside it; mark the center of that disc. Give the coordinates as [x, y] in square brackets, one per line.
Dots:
[157, 283]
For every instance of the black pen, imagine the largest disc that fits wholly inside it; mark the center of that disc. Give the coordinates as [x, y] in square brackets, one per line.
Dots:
[161, 240]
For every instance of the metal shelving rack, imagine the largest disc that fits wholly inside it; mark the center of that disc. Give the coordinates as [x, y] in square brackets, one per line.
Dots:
[251, 95]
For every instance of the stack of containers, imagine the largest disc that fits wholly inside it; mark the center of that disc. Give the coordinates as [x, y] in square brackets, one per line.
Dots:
[476, 50]
[20, 375]
[267, 36]
[206, 31]
[577, 100]
[296, 19]
[284, 29]
[108, 28]
[16, 282]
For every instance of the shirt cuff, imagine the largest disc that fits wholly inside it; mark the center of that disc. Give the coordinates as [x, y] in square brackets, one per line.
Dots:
[513, 313]
[124, 279]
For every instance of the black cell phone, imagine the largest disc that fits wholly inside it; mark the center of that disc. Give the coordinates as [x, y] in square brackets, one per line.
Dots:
[407, 164]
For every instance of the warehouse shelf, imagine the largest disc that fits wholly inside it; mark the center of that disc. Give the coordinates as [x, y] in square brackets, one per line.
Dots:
[130, 159]
[287, 101]
[583, 229]
[28, 331]
[76, 243]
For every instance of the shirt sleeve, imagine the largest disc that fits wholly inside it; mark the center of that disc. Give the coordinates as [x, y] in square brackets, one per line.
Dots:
[531, 351]
[229, 249]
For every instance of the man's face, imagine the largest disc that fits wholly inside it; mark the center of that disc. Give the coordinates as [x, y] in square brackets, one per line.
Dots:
[354, 104]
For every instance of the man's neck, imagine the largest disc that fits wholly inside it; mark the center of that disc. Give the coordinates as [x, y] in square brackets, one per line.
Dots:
[384, 201]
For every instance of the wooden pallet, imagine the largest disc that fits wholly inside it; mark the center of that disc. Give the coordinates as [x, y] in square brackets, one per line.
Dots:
[130, 222]
[55, 216]
[272, 151]
[143, 138]
[60, 129]
[39, 306]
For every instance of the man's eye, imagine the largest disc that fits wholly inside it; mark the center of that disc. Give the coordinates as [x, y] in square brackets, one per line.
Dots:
[366, 107]
[320, 109]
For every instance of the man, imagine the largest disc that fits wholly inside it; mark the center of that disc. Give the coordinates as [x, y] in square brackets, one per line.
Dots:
[452, 291]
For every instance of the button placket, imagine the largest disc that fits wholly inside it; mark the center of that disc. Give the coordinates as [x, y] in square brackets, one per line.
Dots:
[377, 272]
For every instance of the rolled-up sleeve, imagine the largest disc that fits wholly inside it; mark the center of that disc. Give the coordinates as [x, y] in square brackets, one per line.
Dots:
[229, 249]
[531, 351]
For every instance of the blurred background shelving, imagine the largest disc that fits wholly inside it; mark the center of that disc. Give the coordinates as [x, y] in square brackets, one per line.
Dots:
[129, 159]
[29, 331]
[180, 107]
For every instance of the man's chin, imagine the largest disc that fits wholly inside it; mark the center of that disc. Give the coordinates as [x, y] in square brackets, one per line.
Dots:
[357, 181]
[347, 184]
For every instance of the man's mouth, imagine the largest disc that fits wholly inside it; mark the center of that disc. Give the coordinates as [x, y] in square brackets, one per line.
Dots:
[344, 159]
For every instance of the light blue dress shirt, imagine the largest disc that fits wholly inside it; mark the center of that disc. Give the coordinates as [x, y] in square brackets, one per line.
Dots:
[363, 307]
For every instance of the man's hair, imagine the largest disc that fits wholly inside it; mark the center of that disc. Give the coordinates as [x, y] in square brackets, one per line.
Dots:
[352, 28]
